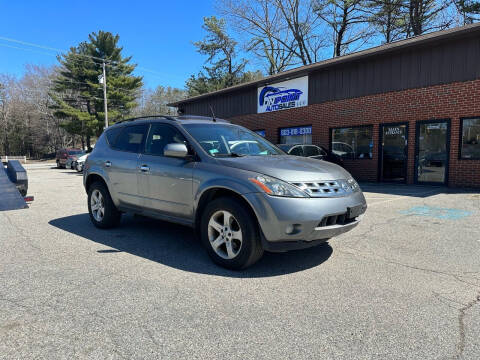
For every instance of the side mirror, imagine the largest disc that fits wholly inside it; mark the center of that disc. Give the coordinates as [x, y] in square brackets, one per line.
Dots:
[176, 150]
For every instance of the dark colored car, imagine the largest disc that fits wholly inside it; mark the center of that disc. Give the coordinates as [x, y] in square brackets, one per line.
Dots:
[311, 151]
[63, 155]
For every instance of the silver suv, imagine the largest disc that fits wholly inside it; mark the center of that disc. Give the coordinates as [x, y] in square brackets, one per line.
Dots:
[242, 194]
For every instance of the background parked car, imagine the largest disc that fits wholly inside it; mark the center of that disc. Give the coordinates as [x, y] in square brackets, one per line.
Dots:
[311, 151]
[70, 164]
[78, 164]
[63, 155]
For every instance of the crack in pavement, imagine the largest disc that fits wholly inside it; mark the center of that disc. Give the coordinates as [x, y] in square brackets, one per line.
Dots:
[457, 277]
[461, 325]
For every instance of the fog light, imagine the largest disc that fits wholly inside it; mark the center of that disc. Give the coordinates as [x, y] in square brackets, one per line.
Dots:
[289, 229]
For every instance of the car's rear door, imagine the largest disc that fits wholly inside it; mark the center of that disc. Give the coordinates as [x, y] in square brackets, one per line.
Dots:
[166, 182]
[121, 164]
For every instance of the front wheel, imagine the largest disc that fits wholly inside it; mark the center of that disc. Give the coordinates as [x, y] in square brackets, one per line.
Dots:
[229, 232]
[101, 208]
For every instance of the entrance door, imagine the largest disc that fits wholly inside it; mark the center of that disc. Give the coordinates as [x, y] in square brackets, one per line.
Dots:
[432, 151]
[393, 152]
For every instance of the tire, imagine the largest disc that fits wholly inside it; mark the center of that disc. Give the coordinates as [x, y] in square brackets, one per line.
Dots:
[101, 197]
[230, 252]
[79, 168]
[58, 164]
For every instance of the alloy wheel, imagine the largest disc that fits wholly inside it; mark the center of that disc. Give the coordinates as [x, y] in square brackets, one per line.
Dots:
[97, 205]
[225, 234]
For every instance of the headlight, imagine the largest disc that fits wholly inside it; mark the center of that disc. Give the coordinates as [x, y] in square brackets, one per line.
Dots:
[277, 187]
[353, 185]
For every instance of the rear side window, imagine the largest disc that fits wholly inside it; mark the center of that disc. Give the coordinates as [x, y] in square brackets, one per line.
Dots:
[112, 135]
[311, 151]
[131, 138]
[297, 151]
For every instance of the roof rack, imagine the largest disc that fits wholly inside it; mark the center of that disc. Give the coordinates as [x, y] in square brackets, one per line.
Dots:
[198, 117]
[167, 117]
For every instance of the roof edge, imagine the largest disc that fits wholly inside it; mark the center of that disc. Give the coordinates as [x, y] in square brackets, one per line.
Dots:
[376, 50]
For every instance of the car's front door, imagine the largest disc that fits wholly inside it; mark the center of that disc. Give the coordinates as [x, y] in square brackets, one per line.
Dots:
[165, 182]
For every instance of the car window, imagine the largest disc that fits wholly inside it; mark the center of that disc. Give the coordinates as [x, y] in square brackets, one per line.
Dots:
[297, 151]
[322, 151]
[311, 151]
[161, 135]
[112, 135]
[230, 140]
[131, 138]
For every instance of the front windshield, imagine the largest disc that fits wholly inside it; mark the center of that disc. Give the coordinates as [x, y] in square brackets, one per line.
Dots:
[230, 140]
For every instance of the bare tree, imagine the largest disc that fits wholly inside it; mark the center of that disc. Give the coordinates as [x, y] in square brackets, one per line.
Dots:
[155, 102]
[284, 33]
[426, 15]
[347, 21]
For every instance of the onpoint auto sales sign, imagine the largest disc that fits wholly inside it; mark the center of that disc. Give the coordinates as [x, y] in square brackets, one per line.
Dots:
[283, 95]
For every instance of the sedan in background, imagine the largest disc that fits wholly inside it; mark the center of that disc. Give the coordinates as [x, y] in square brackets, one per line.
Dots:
[66, 155]
[78, 164]
[311, 151]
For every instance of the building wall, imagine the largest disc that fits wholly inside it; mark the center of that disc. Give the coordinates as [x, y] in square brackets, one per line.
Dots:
[437, 62]
[451, 101]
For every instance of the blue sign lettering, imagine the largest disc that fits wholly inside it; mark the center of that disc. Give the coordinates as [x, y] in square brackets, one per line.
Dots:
[303, 130]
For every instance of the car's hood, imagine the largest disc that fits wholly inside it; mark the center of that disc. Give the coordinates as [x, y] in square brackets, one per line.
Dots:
[288, 168]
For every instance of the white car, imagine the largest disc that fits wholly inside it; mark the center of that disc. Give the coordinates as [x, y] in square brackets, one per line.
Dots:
[78, 164]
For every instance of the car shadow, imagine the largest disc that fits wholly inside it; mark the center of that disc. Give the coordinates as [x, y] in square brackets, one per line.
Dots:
[177, 246]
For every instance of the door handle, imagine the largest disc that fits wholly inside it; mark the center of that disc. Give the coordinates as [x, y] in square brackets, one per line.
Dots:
[144, 168]
[108, 163]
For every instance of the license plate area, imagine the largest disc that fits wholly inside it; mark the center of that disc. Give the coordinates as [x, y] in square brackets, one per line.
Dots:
[354, 211]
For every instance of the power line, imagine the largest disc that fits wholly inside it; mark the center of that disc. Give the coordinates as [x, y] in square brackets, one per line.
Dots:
[107, 62]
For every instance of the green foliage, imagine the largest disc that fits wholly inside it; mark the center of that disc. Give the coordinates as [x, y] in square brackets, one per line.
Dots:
[79, 95]
[389, 17]
[470, 10]
[221, 50]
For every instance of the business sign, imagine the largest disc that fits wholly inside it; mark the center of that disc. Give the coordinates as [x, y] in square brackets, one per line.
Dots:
[295, 131]
[283, 95]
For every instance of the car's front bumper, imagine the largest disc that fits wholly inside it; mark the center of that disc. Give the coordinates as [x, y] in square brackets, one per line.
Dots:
[277, 216]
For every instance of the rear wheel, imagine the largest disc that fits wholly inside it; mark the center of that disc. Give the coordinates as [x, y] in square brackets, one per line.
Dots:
[230, 234]
[58, 164]
[101, 208]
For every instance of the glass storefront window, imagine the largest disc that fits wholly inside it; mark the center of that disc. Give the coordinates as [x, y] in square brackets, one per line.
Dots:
[353, 143]
[296, 135]
[470, 146]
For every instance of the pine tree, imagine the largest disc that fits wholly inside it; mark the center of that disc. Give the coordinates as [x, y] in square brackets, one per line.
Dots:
[78, 93]
[221, 50]
[388, 16]
[469, 9]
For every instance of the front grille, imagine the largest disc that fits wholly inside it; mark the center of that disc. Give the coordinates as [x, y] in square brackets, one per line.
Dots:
[328, 188]
[324, 188]
[340, 219]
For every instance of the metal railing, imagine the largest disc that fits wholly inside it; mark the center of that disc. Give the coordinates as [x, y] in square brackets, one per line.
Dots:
[5, 159]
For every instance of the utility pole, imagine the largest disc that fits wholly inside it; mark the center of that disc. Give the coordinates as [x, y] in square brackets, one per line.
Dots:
[104, 81]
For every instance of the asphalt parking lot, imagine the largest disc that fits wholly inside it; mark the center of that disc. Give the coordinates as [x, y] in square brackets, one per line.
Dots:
[404, 284]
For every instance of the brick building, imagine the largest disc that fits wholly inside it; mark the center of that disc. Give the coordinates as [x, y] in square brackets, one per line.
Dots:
[407, 111]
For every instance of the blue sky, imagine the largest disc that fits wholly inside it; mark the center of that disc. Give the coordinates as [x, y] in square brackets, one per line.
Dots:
[158, 34]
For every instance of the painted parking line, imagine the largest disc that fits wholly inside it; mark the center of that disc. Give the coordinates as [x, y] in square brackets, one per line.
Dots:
[437, 212]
